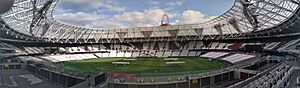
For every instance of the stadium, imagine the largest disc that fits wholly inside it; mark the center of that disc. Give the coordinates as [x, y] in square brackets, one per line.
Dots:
[255, 44]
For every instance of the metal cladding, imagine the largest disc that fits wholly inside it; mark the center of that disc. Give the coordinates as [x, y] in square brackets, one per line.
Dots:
[199, 31]
[45, 28]
[33, 18]
[235, 25]
[39, 14]
[121, 35]
[218, 27]
[249, 11]
[147, 34]
[173, 33]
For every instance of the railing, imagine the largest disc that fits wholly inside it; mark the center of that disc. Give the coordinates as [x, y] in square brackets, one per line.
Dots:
[247, 81]
[179, 75]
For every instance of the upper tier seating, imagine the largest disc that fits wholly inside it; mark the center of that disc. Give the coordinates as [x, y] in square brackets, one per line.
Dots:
[192, 53]
[235, 58]
[214, 55]
[289, 44]
[214, 45]
[34, 50]
[184, 53]
[271, 45]
[76, 49]
[199, 45]
[221, 46]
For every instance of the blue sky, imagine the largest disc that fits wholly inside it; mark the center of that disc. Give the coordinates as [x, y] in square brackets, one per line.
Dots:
[138, 13]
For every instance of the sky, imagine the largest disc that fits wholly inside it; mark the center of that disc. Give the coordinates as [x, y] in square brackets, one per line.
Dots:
[137, 13]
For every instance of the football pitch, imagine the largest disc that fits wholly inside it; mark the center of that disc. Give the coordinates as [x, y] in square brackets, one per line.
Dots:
[142, 66]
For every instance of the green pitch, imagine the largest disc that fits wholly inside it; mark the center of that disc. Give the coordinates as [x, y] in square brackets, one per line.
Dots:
[146, 66]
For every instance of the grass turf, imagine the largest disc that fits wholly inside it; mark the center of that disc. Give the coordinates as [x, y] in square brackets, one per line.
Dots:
[141, 66]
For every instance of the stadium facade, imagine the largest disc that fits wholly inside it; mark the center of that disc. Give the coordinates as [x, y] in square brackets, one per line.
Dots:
[258, 38]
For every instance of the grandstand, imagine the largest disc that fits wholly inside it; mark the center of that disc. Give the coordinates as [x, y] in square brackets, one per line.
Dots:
[255, 44]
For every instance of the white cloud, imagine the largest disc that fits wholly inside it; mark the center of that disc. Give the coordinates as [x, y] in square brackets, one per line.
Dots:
[146, 18]
[86, 19]
[176, 3]
[192, 17]
[150, 17]
[96, 4]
